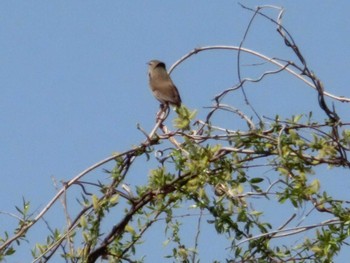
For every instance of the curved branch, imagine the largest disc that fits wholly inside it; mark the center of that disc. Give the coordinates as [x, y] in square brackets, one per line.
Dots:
[71, 182]
[257, 54]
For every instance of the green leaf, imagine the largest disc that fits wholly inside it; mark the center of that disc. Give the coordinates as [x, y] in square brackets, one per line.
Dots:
[95, 203]
[130, 229]
[256, 180]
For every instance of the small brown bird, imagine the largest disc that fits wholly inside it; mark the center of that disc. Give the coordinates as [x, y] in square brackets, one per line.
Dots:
[161, 84]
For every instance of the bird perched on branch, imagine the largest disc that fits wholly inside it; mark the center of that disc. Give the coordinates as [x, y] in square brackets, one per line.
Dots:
[161, 84]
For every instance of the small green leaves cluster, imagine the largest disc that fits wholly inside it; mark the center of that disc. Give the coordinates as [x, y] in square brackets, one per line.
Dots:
[222, 178]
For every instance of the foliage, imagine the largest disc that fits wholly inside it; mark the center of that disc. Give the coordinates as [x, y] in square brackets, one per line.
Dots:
[231, 181]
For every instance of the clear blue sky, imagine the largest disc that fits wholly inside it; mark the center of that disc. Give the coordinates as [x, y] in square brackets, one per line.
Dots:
[73, 77]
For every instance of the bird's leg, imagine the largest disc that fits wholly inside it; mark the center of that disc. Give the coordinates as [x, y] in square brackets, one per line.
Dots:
[159, 113]
[163, 113]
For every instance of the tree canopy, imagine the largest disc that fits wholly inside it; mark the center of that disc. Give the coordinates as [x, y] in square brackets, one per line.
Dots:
[252, 187]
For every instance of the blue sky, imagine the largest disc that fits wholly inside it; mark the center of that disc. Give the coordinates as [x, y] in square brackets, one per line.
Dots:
[73, 77]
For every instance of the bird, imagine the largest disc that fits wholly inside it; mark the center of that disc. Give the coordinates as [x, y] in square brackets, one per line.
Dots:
[163, 88]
